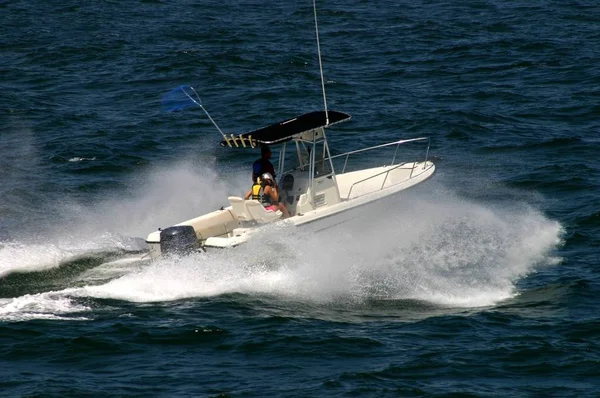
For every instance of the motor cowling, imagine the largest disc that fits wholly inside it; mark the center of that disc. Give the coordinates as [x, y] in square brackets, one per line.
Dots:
[180, 239]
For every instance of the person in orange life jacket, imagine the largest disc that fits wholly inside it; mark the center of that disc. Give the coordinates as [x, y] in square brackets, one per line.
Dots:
[263, 165]
[265, 191]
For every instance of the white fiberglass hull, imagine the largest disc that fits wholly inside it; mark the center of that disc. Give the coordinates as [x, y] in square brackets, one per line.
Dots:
[226, 231]
[372, 195]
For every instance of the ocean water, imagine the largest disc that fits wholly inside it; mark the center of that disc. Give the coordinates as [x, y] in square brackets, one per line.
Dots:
[483, 281]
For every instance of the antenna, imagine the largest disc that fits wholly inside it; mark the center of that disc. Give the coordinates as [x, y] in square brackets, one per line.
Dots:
[321, 64]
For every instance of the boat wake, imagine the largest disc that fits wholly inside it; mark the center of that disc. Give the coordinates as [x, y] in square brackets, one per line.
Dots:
[20, 257]
[114, 224]
[423, 245]
[445, 252]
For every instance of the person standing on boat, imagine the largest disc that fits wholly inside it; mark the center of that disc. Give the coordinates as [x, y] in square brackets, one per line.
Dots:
[263, 165]
[265, 191]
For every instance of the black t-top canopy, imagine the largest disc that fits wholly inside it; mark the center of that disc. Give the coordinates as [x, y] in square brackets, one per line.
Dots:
[286, 130]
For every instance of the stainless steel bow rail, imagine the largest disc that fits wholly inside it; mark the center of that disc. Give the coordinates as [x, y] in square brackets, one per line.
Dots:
[386, 172]
[397, 143]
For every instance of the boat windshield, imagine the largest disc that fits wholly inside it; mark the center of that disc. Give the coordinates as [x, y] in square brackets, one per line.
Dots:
[298, 155]
[322, 163]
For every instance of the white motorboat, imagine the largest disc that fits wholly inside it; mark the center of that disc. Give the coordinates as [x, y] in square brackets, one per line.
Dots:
[311, 188]
[317, 187]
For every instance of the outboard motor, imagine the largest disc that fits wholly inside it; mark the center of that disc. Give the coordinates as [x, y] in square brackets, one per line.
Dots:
[180, 239]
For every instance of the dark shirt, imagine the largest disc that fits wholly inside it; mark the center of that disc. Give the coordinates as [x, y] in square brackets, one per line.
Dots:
[260, 167]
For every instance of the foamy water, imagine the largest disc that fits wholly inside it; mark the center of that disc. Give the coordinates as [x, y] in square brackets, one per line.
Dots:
[50, 305]
[439, 248]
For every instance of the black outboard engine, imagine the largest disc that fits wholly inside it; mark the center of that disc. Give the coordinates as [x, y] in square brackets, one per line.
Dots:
[180, 239]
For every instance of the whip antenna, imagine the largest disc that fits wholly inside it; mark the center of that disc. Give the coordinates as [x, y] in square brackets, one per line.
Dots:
[320, 64]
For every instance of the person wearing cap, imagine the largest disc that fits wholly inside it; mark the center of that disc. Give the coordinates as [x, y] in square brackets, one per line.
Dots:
[265, 191]
[263, 165]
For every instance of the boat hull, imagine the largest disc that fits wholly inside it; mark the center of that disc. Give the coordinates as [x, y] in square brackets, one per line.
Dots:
[221, 229]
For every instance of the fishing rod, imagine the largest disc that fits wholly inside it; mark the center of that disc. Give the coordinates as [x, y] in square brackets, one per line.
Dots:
[181, 98]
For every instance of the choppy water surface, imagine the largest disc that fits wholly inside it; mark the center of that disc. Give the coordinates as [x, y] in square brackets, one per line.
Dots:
[481, 282]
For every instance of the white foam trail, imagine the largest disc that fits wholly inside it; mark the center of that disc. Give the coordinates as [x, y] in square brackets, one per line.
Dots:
[448, 252]
[17, 257]
[34, 256]
[451, 252]
[113, 269]
[427, 246]
[160, 198]
[200, 275]
[81, 159]
[50, 305]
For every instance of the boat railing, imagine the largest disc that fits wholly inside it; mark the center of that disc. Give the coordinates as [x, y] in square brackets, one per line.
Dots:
[397, 143]
[386, 172]
[389, 170]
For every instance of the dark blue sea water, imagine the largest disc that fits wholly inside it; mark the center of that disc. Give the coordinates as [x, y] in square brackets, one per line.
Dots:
[483, 281]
